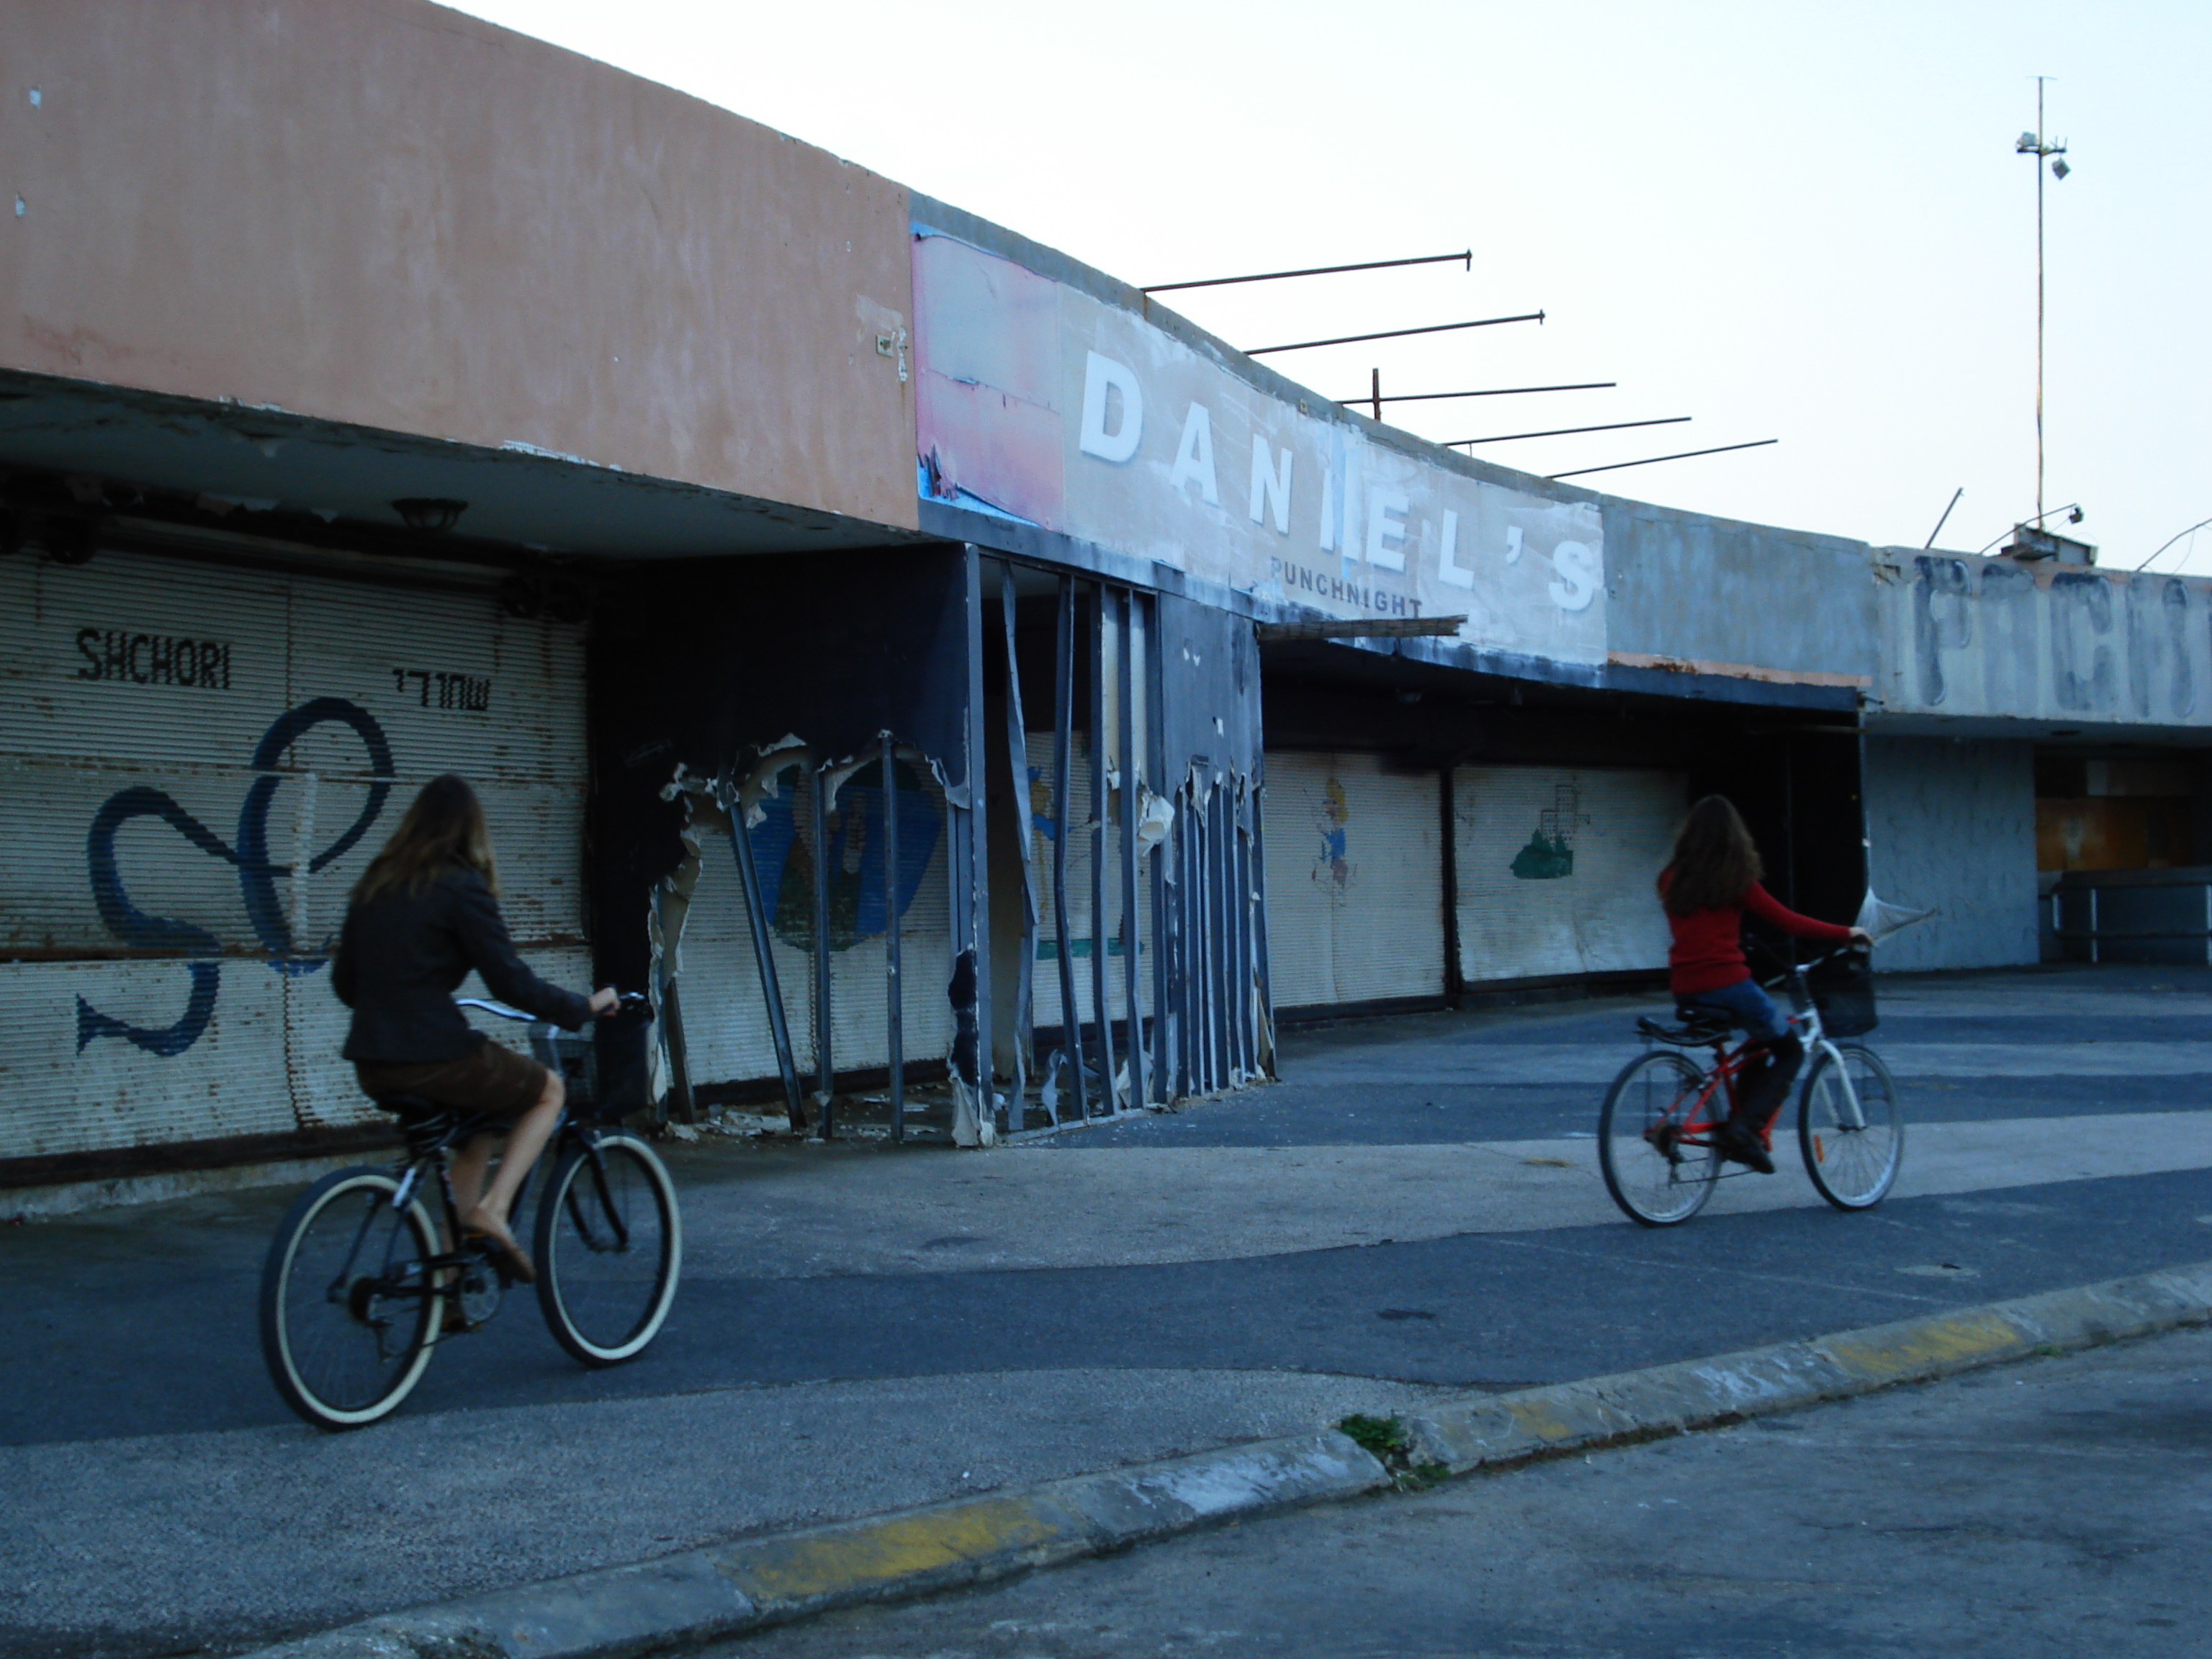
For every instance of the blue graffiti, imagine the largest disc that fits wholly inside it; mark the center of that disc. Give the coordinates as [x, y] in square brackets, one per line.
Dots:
[257, 877]
[852, 849]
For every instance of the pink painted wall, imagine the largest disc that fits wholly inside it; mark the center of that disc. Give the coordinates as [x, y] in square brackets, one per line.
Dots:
[384, 212]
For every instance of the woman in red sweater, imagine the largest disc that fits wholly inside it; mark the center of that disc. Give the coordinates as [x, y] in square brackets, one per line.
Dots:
[1709, 882]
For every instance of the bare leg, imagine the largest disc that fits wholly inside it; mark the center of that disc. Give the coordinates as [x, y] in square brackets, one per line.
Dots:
[488, 1214]
[467, 1172]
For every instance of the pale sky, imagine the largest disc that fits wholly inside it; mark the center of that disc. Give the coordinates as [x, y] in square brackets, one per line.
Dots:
[1786, 221]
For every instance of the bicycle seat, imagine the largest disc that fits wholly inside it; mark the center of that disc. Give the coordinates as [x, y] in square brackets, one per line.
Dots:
[1698, 1028]
[408, 1109]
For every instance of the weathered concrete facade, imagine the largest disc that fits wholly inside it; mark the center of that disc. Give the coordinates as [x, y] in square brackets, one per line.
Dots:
[924, 616]
[385, 214]
[1967, 640]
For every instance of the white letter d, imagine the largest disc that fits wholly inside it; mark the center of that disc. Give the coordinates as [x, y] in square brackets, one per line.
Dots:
[1099, 373]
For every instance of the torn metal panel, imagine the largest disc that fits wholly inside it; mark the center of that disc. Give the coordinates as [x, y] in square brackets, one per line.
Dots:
[1130, 665]
[825, 870]
[884, 854]
[1063, 718]
[1018, 1041]
[975, 1103]
[894, 986]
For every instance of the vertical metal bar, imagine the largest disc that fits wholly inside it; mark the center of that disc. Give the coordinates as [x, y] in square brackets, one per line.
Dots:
[894, 986]
[1181, 939]
[682, 1106]
[1375, 390]
[979, 858]
[1455, 975]
[1261, 968]
[1063, 720]
[1240, 964]
[1226, 931]
[1099, 760]
[1132, 929]
[1163, 1068]
[824, 1072]
[1018, 765]
[741, 841]
[1202, 951]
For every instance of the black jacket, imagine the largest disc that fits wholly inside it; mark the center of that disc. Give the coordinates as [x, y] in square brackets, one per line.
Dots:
[401, 955]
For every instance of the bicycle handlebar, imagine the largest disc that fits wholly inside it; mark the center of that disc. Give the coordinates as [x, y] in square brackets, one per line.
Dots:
[629, 999]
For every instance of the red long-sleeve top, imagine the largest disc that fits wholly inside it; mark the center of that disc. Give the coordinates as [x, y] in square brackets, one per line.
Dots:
[1707, 952]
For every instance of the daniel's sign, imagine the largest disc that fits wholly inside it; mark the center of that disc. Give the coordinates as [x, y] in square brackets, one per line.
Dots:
[1041, 403]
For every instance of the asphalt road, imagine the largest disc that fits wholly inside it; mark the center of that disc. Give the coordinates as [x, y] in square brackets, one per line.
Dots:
[2044, 1510]
[861, 1328]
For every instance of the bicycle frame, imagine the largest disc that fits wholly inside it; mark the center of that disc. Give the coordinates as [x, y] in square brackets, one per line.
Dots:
[1699, 1122]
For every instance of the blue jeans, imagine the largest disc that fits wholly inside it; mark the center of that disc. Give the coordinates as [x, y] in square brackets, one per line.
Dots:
[1745, 1003]
[1765, 1079]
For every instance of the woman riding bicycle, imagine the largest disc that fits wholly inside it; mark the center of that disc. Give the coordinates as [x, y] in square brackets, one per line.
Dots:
[423, 914]
[1709, 882]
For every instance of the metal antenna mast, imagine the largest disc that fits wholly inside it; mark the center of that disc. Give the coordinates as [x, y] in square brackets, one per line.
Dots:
[2033, 144]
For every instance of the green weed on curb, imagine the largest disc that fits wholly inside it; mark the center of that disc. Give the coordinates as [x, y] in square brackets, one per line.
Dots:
[1384, 1438]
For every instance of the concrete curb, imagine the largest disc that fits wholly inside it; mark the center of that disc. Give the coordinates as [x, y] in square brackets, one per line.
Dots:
[778, 1577]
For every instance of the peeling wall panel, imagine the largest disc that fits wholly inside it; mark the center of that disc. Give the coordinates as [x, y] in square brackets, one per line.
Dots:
[1354, 881]
[727, 1032]
[1045, 966]
[1954, 827]
[1554, 868]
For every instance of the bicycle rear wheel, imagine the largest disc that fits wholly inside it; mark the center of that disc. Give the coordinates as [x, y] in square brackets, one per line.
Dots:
[1853, 1141]
[610, 1246]
[347, 1302]
[1654, 1177]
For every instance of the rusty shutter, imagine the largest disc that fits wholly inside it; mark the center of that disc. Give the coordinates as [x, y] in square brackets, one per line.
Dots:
[1355, 881]
[196, 764]
[1555, 866]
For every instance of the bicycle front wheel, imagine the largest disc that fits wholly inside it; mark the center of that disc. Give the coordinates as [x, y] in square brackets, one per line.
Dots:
[1655, 1177]
[610, 1247]
[1853, 1138]
[347, 1299]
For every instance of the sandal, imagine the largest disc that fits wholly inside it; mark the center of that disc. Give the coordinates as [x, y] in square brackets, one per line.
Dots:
[499, 1244]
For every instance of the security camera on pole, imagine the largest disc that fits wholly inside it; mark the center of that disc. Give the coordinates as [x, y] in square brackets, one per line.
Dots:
[2035, 143]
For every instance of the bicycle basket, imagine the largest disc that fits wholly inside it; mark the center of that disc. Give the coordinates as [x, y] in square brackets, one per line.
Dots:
[1842, 990]
[572, 1057]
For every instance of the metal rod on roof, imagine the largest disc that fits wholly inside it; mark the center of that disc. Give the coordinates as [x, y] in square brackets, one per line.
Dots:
[1654, 460]
[1945, 519]
[1465, 256]
[1568, 431]
[1375, 391]
[1397, 333]
[1491, 392]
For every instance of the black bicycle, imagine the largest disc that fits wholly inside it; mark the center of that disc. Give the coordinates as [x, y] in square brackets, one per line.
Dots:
[370, 1271]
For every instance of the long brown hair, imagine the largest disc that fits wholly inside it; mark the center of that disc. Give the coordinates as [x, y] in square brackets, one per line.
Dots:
[443, 828]
[1714, 862]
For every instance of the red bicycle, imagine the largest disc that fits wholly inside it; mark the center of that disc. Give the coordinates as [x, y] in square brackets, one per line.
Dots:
[1656, 1136]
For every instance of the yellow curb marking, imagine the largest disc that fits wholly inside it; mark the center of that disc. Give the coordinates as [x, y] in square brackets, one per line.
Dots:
[1538, 1418]
[1940, 1341]
[896, 1546]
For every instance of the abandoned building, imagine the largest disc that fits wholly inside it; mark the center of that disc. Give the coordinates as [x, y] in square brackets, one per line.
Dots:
[965, 695]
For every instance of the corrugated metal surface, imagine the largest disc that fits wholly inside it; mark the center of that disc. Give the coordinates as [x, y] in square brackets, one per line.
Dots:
[1555, 868]
[196, 764]
[1044, 968]
[726, 1029]
[1354, 881]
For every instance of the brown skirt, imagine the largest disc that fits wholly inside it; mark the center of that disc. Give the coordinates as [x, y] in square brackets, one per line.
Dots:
[493, 1080]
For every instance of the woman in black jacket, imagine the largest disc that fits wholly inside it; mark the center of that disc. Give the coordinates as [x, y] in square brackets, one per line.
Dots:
[423, 914]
